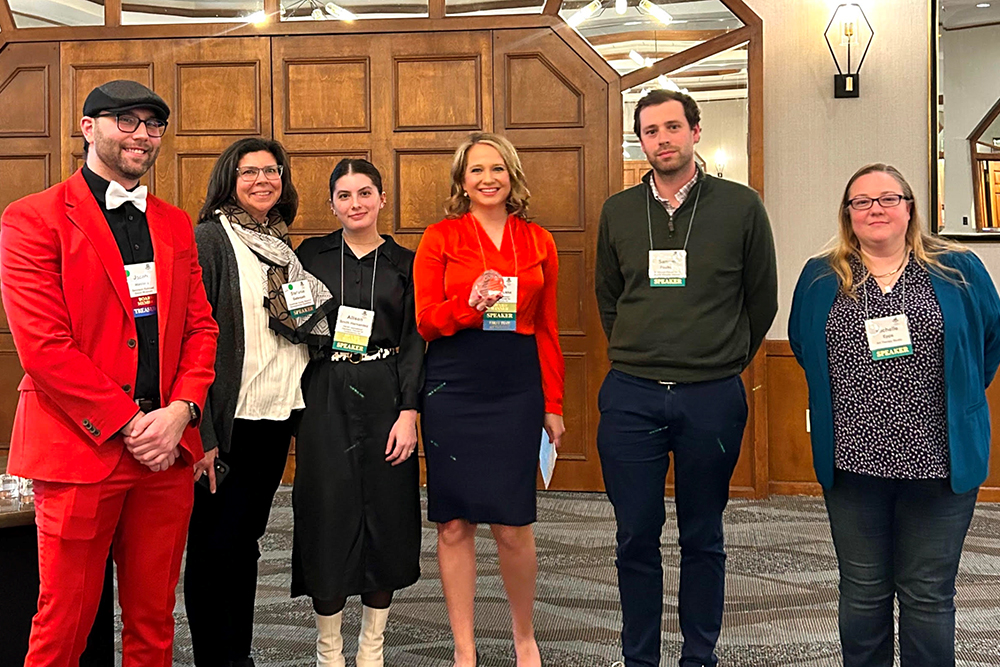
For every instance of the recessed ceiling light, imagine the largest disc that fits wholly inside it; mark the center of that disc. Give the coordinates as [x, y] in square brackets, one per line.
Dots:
[983, 5]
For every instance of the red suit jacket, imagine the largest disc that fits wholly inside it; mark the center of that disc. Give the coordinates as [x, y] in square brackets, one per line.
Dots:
[69, 310]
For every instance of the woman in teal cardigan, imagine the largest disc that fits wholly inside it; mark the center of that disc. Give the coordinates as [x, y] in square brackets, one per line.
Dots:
[899, 335]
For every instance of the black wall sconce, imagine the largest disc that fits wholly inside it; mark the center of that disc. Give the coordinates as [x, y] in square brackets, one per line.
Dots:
[849, 29]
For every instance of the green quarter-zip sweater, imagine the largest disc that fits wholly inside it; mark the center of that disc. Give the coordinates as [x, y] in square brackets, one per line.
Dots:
[711, 327]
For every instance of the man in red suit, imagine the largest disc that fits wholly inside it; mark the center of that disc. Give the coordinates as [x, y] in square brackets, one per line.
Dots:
[103, 293]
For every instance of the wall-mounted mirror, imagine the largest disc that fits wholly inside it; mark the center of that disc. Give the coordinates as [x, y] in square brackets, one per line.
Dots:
[965, 104]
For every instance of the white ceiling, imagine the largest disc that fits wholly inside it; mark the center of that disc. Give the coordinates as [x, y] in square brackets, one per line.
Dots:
[965, 13]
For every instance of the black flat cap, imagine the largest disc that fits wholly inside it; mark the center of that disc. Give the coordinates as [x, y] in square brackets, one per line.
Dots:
[122, 95]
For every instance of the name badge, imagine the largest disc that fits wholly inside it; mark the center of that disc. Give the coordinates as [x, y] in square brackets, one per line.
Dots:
[667, 268]
[353, 329]
[141, 279]
[502, 316]
[299, 298]
[888, 337]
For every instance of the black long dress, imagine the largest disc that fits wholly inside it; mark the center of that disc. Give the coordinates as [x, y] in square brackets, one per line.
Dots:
[357, 517]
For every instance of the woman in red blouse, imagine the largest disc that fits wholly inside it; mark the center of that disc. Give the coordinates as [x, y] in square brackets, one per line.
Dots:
[485, 287]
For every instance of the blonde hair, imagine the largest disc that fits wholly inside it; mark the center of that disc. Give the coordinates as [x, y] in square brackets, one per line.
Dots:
[927, 248]
[458, 203]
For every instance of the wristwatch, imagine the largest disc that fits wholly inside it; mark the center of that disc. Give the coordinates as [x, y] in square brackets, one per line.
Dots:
[193, 411]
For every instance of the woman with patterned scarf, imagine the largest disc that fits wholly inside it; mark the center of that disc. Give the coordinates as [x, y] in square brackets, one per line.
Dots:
[268, 309]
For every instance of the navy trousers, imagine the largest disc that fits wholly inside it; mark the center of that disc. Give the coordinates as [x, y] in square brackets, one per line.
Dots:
[701, 423]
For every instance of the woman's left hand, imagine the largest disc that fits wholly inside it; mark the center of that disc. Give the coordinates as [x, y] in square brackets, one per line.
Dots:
[555, 428]
[402, 438]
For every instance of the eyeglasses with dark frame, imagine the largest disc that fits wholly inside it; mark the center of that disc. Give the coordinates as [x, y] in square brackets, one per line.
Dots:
[885, 201]
[271, 172]
[128, 123]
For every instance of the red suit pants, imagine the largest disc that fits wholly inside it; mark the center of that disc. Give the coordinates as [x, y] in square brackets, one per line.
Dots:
[146, 515]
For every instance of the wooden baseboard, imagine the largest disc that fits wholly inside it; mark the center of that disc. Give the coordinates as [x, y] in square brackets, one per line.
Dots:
[794, 488]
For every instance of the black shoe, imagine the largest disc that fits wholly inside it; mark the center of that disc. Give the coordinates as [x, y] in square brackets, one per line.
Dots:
[245, 662]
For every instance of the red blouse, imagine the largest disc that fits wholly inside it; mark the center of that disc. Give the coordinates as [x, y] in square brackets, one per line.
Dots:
[454, 252]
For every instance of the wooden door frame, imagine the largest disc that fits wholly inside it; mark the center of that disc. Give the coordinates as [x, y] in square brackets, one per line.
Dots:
[437, 21]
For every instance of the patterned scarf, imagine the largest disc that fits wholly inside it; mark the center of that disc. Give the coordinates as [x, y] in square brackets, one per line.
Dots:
[270, 243]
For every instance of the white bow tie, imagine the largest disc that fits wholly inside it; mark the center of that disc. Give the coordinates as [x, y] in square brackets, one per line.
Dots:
[118, 195]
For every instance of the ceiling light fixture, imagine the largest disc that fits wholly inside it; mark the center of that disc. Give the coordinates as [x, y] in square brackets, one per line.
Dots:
[257, 18]
[584, 13]
[621, 6]
[317, 10]
[656, 12]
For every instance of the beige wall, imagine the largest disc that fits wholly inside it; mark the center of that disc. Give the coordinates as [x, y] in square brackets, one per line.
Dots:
[813, 142]
[724, 125]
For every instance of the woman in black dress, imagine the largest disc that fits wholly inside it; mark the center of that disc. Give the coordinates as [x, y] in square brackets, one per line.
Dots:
[356, 499]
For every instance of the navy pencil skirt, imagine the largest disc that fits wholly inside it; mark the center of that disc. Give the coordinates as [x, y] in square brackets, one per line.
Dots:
[482, 425]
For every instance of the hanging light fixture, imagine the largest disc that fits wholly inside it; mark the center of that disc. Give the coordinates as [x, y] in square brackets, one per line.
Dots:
[621, 6]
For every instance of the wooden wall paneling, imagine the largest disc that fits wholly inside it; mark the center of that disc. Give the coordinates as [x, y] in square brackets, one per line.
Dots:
[29, 119]
[990, 489]
[275, 28]
[29, 163]
[189, 75]
[86, 65]
[219, 91]
[441, 88]
[112, 13]
[755, 109]
[325, 91]
[561, 137]
[790, 469]
[7, 28]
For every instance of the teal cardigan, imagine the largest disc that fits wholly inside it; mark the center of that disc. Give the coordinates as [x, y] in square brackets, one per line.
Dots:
[971, 313]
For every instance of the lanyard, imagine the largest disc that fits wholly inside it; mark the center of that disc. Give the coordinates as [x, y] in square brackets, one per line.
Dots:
[902, 279]
[343, 242]
[649, 220]
[482, 252]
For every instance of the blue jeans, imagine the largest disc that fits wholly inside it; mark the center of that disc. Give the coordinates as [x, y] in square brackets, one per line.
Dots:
[900, 539]
[702, 423]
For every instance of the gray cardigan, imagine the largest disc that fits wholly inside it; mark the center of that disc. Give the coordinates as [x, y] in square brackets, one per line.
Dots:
[222, 285]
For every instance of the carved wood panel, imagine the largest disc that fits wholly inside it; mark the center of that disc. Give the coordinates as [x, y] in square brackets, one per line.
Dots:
[29, 162]
[566, 166]
[218, 90]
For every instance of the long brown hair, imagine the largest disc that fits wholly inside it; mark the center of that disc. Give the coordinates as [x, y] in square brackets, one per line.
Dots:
[222, 182]
[458, 203]
[927, 248]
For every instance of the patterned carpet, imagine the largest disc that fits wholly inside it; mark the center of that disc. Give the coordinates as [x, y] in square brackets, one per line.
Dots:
[781, 605]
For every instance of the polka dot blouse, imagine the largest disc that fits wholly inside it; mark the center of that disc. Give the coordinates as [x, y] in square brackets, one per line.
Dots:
[889, 416]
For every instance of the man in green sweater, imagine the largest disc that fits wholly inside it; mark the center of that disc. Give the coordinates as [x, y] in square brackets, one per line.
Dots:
[686, 285]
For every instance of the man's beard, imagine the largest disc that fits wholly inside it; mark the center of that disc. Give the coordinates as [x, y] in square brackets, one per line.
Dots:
[671, 167]
[112, 154]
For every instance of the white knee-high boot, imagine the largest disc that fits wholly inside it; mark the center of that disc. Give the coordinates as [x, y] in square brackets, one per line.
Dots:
[371, 637]
[329, 641]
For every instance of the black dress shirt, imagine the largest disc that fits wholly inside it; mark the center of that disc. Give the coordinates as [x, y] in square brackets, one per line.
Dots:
[395, 322]
[131, 231]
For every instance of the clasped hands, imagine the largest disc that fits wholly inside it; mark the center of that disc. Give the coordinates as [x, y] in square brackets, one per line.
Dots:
[153, 438]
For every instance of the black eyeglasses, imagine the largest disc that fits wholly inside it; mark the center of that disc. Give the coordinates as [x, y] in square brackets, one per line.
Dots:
[885, 201]
[128, 123]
